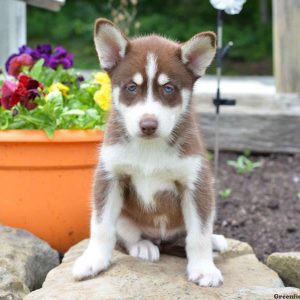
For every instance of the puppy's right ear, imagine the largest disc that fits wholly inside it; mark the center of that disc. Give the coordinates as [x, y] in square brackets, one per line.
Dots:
[110, 42]
[198, 52]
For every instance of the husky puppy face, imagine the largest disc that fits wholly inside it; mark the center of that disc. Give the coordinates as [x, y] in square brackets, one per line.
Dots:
[152, 77]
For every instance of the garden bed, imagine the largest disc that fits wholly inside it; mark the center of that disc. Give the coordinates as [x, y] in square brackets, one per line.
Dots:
[263, 208]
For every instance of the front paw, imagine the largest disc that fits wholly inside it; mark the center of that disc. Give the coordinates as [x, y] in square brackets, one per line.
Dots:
[145, 249]
[205, 274]
[89, 264]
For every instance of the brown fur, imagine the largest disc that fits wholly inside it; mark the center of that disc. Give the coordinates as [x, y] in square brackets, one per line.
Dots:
[115, 132]
[167, 204]
[100, 190]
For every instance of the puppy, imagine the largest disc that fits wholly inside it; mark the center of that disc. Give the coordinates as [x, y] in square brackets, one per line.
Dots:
[153, 183]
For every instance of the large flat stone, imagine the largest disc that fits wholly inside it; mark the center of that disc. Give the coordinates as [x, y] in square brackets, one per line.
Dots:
[131, 278]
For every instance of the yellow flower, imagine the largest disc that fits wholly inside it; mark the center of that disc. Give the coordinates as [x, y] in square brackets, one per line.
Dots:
[101, 78]
[59, 87]
[103, 97]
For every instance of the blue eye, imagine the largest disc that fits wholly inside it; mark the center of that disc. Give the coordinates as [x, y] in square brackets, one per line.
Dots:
[131, 88]
[168, 89]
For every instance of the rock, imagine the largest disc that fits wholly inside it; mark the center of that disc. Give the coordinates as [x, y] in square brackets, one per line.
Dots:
[237, 248]
[11, 286]
[263, 293]
[287, 265]
[25, 261]
[131, 278]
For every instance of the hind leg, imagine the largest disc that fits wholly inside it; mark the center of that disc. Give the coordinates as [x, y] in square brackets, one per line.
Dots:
[131, 237]
[219, 243]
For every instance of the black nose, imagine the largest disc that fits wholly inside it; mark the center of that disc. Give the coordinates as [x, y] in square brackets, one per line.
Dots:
[148, 125]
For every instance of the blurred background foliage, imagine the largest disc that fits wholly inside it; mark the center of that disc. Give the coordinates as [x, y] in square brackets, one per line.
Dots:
[72, 27]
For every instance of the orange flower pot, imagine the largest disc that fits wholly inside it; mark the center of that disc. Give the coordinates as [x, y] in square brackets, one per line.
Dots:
[45, 184]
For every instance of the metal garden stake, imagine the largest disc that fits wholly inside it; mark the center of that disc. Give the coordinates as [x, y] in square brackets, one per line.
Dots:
[230, 7]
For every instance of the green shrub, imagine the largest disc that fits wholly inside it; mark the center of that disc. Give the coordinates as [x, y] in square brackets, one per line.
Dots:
[72, 27]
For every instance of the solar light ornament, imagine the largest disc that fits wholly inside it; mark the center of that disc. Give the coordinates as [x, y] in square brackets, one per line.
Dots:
[230, 7]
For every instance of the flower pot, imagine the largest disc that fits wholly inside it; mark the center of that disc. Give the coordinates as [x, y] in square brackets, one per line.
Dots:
[45, 184]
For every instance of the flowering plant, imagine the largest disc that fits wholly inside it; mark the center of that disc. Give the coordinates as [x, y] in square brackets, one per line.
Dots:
[28, 56]
[42, 91]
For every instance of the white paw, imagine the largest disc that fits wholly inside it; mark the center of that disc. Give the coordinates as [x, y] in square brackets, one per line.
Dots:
[205, 274]
[219, 243]
[145, 250]
[89, 264]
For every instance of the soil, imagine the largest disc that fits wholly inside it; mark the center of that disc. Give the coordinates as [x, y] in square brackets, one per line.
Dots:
[263, 208]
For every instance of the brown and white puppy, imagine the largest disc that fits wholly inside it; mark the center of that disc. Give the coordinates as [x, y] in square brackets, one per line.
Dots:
[153, 182]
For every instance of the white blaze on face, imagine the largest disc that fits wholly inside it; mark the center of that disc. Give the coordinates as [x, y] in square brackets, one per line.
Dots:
[138, 78]
[163, 79]
[151, 69]
[166, 116]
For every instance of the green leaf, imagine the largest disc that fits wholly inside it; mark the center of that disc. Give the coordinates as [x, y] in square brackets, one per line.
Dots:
[37, 69]
[243, 164]
[225, 193]
[75, 112]
[49, 131]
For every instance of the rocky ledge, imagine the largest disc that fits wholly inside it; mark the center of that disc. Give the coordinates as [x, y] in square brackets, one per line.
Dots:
[25, 261]
[130, 278]
[287, 265]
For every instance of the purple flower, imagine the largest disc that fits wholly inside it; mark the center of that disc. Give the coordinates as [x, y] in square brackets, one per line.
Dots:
[23, 49]
[42, 51]
[60, 56]
[9, 60]
[45, 49]
[60, 52]
[52, 59]
[18, 62]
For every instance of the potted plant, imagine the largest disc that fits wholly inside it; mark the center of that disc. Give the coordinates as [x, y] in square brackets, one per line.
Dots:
[51, 123]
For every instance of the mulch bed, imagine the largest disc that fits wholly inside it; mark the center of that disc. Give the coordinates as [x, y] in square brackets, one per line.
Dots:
[263, 208]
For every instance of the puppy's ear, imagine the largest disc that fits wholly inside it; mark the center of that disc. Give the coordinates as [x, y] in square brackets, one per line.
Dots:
[198, 52]
[110, 42]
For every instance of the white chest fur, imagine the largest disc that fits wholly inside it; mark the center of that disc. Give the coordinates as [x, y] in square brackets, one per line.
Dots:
[153, 166]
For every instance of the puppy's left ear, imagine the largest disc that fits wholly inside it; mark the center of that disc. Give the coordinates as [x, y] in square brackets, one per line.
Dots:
[111, 44]
[198, 52]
